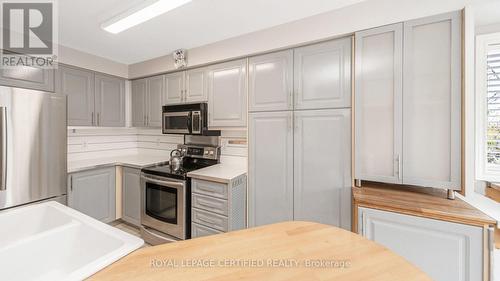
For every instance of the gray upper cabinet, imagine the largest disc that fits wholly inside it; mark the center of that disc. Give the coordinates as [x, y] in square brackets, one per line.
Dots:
[28, 77]
[322, 166]
[147, 95]
[227, 94]
[94, 99]
[322, 75]
[378, 105]
[408, 115]
[78, 85]
[131, 196]
[156, 86]
[196, 88]
[270, 82]
[432, 101]
[174, 88]
[94, 193]
[109, 101]
[139, 107]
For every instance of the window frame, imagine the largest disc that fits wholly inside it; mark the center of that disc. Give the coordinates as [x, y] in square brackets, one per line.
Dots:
[484, 171]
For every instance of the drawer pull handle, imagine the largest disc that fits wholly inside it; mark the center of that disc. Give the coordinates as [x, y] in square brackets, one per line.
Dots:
[208, 204]
[206, 220]
[207, 189]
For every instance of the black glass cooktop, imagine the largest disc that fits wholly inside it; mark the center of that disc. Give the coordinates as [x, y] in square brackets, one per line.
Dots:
[188, 165]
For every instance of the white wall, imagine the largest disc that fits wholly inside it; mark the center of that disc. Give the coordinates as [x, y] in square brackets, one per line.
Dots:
[335, 23]
[84, 60]
[489, 28]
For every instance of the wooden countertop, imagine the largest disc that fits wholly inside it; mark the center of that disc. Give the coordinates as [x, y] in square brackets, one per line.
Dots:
[418, 201]
[273, 252]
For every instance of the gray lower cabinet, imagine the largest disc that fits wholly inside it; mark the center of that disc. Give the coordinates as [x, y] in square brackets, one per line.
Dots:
[270, 188]
[28, 77]
[93, 193]
[446, 251]
[131, 195]
[218, 207]
[307, 173]
[322, 166]
[109, 101]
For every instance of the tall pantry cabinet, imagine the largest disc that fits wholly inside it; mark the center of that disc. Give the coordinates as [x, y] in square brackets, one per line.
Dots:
[408, 103]
[300, 135]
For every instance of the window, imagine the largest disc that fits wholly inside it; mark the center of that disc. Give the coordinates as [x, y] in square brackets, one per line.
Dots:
[493, 107]
[488, 107]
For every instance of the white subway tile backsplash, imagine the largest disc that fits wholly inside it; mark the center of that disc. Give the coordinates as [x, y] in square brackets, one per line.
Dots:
[87, 143]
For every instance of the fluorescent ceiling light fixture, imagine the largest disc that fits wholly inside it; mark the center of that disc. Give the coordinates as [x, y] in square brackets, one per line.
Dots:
[148, 10]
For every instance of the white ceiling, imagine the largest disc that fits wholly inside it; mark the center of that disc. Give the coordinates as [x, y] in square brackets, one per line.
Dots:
[198, 23]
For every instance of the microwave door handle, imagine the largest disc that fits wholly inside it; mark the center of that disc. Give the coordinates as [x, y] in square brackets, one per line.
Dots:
[189, 122]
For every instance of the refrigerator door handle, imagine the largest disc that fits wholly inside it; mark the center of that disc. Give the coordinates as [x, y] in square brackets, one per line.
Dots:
[3, 148]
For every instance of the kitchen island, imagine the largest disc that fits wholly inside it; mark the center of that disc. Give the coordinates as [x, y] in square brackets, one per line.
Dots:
[283, 251]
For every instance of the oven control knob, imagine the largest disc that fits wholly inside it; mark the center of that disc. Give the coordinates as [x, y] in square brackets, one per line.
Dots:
[206, 152]
[211, 153]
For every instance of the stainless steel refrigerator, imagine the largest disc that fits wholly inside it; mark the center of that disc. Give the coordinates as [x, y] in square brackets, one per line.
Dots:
[33, 146]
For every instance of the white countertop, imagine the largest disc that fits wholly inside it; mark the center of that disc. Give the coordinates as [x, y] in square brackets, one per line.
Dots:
[132, 160]
[223, 173]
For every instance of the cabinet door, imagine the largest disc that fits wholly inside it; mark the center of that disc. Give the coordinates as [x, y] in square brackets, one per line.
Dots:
[227, 94]
[432, 101]
[139, 93]
[131, 196]
[322, 75]
[109, 101]
[445, 251]
[156, 86]
[322, 167]
[270, 82]
[174, 88]
[379, 91]
[28, 77]
[196, 86]
[270, 167]
[78, 85]
[93, 193]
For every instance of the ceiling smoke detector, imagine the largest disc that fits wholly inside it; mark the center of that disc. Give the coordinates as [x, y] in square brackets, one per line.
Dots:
[180, 57]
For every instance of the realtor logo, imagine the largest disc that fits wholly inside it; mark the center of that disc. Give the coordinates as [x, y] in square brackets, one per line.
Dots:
[27, 27]
[28, 34]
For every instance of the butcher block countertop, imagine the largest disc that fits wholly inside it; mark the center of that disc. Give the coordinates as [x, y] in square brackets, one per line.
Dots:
[418, 201]
[284, 251]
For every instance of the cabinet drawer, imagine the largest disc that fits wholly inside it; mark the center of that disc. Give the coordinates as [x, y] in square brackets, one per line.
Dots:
[200, 230]
[211, 204]
[210, 219]
[209, 188]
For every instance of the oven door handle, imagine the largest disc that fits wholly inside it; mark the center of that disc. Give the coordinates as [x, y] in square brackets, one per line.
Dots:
[167, 183]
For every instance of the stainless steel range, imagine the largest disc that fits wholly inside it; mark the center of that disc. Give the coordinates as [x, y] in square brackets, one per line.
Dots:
[166, 191]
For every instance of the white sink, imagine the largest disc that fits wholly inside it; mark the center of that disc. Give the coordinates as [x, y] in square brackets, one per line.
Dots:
[50, 241]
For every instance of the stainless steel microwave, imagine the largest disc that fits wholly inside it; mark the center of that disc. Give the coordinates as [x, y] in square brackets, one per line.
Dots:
[186, 119]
